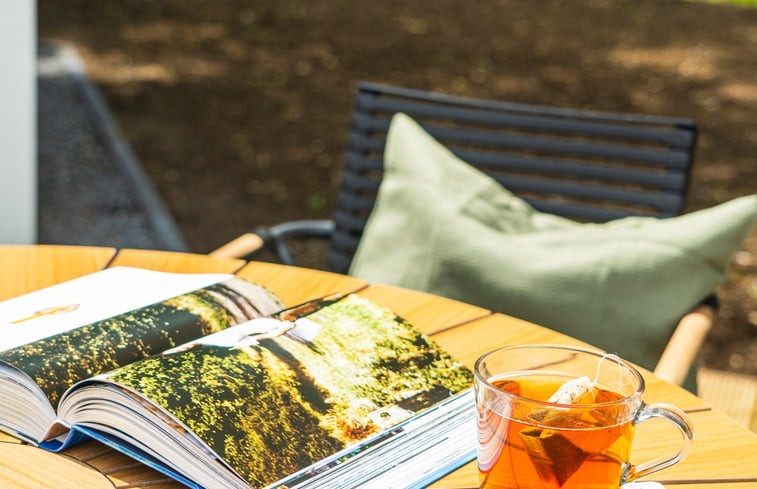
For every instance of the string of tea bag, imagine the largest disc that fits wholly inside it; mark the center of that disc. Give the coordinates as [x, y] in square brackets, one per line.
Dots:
[575, 389]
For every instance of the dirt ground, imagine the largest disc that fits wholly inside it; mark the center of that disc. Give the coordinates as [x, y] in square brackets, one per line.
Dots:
[238, 109]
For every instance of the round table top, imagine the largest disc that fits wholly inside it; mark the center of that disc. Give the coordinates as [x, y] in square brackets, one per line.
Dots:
[723, 451]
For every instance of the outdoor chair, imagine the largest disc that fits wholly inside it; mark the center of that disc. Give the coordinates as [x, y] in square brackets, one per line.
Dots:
[582, 165]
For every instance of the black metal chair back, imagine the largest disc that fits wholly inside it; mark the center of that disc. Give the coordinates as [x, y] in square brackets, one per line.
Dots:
[584, 165]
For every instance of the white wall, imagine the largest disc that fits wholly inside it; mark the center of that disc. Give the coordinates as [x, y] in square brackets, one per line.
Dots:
[18, 121]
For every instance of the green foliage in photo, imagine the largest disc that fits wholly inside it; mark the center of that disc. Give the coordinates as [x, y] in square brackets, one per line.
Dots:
[277, 406]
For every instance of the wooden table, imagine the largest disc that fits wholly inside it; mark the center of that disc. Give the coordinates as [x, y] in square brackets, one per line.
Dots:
[724, 455]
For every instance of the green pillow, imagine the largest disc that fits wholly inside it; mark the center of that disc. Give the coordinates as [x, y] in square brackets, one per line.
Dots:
[441, 226]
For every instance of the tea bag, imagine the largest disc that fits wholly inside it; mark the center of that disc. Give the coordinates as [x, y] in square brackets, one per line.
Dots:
[555, 457]
[575, 391]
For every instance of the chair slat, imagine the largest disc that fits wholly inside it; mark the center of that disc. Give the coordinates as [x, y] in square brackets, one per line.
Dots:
[355, 202]
[490, 162]
[362, 143]
[377, 89]
[350, 222]
[338, 262]
[358, 162]
[343, 247]
[354, 182]
[628, 131]
[662, 201]
[651, 178]
[673, 158]
[346, 242]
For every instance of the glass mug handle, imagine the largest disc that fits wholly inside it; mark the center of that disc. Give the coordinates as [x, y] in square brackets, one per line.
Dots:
[680, 420]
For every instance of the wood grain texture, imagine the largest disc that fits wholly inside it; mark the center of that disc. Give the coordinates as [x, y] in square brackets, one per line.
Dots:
[733, 393]
[297, 285]
[430, 314]
[27, 268]
[4, 438]
[168, 261]
[470, 340]
[27, 467]
[721, 448]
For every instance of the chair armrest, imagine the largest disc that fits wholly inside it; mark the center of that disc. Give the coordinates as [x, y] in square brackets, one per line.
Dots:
[274, 238]
[239, 247]
[679, 354]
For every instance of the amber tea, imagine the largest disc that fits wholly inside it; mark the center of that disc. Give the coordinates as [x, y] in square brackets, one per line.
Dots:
[559, 417]
[564, 448]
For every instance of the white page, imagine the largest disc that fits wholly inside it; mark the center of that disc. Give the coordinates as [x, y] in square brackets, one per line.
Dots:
[91, 298]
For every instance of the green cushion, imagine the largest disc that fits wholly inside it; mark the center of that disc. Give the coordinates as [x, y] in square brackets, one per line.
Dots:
[442, 226]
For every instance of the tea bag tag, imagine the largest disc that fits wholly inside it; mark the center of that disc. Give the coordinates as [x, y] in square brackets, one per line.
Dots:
[572, 390]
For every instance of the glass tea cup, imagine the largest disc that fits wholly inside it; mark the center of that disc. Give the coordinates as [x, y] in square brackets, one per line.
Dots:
[553, 416]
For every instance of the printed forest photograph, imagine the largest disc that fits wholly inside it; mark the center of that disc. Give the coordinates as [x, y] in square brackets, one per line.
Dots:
[272, 397]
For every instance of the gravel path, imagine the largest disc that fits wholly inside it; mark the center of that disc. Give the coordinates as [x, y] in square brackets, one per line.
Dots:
[92, 190]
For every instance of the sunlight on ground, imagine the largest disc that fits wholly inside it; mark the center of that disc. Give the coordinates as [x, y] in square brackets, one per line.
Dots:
[117, 67]
[701, 64]
[690, 62]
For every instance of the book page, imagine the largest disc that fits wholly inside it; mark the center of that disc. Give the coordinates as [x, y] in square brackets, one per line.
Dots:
[272, 397]
[137, 313]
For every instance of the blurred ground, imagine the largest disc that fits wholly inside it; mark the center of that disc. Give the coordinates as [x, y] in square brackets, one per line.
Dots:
[238, 109]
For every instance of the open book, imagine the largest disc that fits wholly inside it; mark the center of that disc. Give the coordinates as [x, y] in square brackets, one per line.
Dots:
[206, 378]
